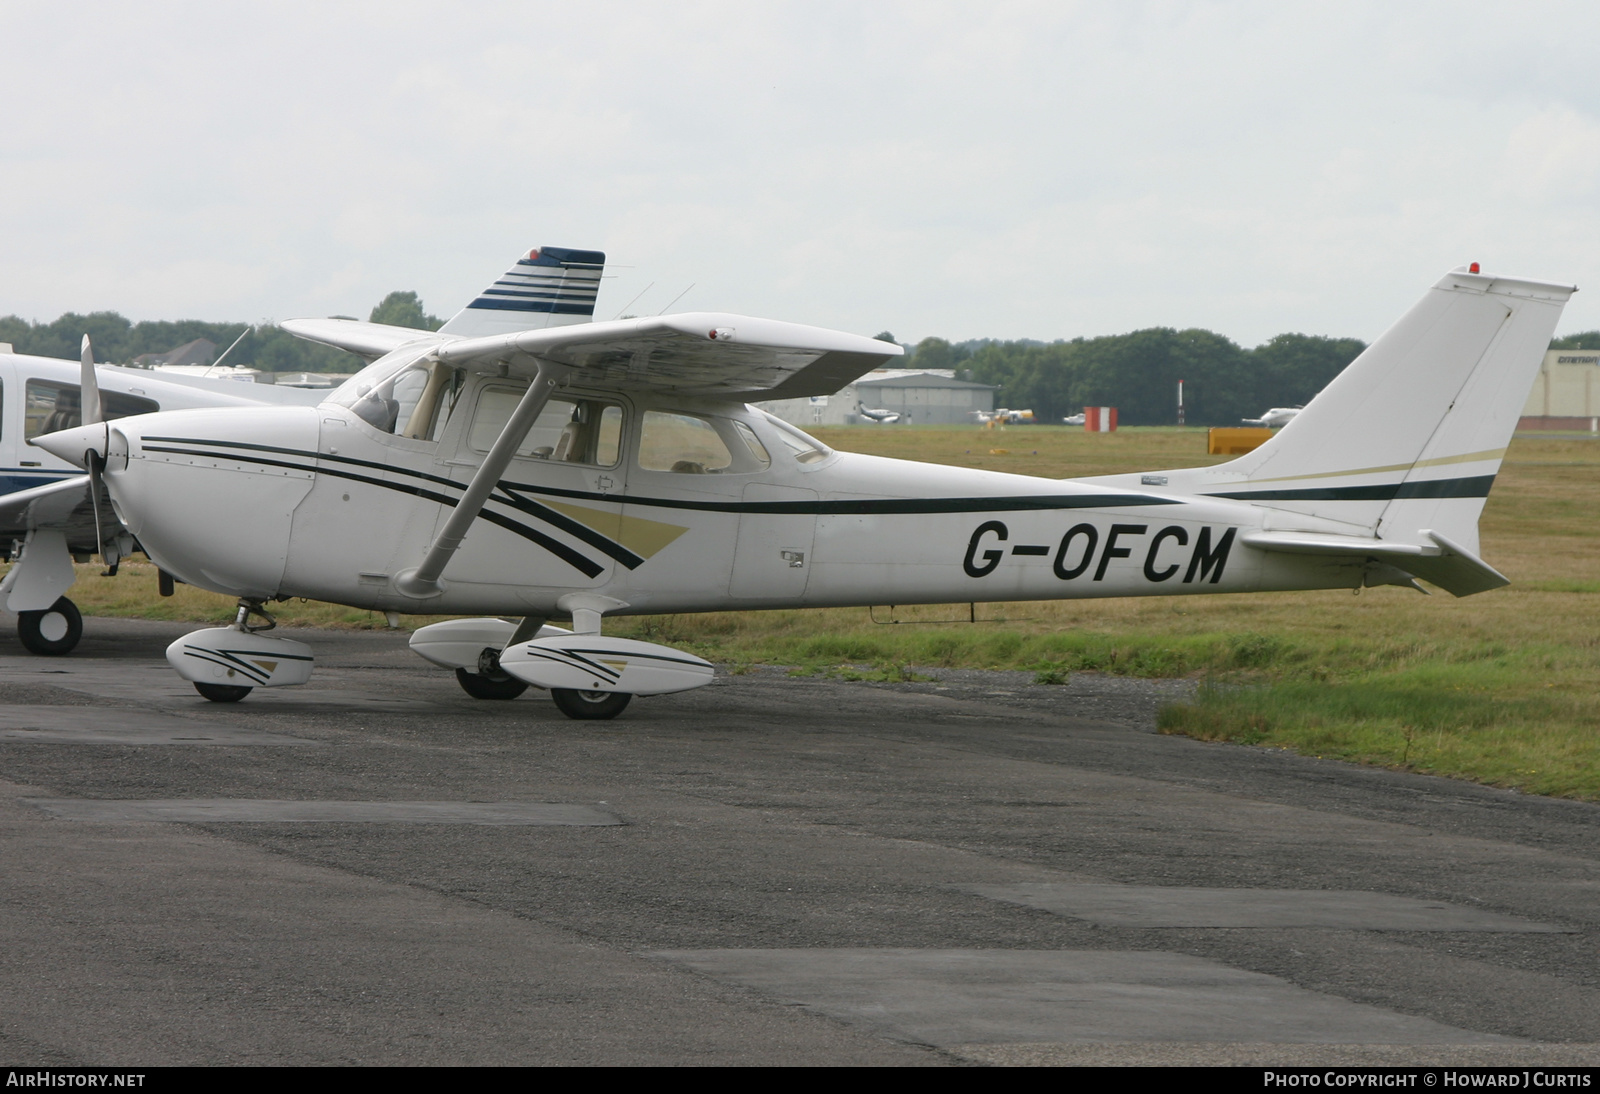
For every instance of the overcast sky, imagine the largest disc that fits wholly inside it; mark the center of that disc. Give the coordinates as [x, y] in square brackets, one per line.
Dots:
[983, 169]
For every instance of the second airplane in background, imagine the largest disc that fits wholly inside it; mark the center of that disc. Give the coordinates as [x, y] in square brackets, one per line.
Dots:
[47, 511]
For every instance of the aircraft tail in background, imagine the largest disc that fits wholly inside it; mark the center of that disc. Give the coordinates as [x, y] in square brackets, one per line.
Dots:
[547, 287]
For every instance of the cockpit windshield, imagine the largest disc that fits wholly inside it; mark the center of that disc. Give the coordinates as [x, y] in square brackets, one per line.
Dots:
[387, 392]
[802, 447]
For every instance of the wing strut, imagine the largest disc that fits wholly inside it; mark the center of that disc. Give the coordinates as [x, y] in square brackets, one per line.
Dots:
[423, 581]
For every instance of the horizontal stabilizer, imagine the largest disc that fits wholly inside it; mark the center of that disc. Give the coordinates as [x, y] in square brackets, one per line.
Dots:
[1442, 562]
[369, 340]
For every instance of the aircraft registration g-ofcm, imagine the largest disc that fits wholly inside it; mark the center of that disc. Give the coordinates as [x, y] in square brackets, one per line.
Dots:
[523, 462]
[47, 514]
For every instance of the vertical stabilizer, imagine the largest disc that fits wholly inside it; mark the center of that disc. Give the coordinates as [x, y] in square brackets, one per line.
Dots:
[548, 287]
[1410, 436]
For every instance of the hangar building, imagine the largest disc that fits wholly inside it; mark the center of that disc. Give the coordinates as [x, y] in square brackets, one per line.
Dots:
[925, 397]
[1566, 393]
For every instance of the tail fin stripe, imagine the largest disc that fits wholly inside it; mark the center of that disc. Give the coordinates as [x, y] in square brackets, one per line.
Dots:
[547, 287]
[525, 295]
[497, 304]
[1438, 461]
[1477, 486]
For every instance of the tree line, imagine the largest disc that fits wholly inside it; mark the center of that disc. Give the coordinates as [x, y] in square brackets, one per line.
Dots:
[1138, 372]
[119, 341]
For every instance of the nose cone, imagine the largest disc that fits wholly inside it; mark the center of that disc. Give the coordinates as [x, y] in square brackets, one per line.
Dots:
[71, 444]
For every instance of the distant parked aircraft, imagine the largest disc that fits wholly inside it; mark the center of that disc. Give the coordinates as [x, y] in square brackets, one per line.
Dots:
[1277, 416]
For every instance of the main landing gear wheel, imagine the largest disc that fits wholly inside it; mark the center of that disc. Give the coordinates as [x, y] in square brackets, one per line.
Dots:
[53, 631]
[590, 704]
[222, 693]
[479, 686]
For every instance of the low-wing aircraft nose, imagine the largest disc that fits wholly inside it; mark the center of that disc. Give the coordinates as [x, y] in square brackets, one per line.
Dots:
[71, 444]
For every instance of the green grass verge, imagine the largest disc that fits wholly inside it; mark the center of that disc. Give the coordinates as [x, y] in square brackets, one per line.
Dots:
[1417, 721]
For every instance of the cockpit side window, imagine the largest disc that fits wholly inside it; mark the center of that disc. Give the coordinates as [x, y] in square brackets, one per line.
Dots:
[426, 400]
[53, 406]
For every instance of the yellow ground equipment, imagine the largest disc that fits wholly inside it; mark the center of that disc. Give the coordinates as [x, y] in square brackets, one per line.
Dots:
[1236, 440]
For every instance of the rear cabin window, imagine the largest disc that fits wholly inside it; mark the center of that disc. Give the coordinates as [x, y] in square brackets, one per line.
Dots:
[684, 444]
[568, 429]
[53, 406]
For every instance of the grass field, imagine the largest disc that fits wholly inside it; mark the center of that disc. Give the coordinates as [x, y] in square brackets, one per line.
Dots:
[1498, 687]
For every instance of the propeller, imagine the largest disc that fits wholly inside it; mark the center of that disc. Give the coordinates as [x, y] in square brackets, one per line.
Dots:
[93, 462]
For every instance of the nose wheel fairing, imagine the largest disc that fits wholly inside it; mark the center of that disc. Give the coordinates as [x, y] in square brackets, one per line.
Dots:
[228, 658]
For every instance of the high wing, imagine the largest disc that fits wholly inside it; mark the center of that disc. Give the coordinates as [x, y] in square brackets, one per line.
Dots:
[710, 354]
[542, 309]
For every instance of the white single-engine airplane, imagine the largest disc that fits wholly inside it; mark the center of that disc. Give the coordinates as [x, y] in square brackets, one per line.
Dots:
[583, 469]
[1274, 418]
[48, 514]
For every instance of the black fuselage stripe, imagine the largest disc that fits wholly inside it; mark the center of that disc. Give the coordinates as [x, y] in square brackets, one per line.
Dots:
[837, 507]
[574, 528]
[1476, 486]
[580, 562]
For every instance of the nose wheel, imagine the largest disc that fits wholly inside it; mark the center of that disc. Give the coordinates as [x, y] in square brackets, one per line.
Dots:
[52, 632]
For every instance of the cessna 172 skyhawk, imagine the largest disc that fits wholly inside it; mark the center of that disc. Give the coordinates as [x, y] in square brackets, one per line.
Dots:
[591, 469]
